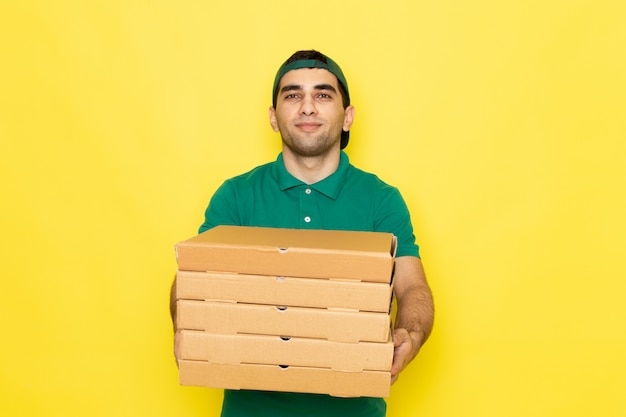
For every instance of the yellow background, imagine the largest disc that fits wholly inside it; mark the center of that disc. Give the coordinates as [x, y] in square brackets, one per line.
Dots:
[502, 122]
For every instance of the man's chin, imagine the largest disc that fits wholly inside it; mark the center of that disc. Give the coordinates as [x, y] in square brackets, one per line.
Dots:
[310, 147]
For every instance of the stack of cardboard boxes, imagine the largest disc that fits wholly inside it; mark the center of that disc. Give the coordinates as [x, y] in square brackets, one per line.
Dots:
[286, 310]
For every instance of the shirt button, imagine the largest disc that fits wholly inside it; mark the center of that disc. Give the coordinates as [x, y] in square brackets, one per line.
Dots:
[308, 191]
[307, 219]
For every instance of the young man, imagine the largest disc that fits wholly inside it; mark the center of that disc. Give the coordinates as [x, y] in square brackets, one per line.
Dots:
[312, 185]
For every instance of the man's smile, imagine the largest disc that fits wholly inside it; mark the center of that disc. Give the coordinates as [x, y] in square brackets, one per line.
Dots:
[308, 126]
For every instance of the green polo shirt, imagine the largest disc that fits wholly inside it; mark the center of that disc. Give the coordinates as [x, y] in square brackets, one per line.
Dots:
[349, 199]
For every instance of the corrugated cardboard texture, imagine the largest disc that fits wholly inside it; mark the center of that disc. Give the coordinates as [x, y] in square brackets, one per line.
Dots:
[232, 318]
[296, 292]
[366, 256]
[291, 379]
[274, 350]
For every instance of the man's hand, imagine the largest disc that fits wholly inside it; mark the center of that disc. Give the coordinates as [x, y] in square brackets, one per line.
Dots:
[414, 318]
[404, 350]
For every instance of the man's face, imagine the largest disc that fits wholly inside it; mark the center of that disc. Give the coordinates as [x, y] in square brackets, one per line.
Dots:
[309, 113]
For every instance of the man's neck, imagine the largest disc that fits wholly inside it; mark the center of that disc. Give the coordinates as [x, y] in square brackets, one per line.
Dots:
[311, 169]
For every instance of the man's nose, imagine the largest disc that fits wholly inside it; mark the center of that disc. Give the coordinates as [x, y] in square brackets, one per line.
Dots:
[307, 107]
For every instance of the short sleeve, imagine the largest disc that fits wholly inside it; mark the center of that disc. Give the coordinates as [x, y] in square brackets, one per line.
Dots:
[391, 215]
[222, 208]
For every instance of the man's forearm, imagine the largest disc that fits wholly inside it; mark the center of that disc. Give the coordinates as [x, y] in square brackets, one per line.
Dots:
[415, 314]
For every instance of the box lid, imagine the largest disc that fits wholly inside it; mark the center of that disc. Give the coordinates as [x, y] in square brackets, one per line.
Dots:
[237, 318]
[366, 256]
[236, 349]
[284, 291]
[290, 379]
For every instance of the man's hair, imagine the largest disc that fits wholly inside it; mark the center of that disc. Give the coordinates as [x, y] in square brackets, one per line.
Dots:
[317, 56]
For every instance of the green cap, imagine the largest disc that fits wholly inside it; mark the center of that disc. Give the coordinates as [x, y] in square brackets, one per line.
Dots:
[330, 65]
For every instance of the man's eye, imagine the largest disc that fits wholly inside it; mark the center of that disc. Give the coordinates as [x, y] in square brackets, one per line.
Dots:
[291, 96]
[324, 95]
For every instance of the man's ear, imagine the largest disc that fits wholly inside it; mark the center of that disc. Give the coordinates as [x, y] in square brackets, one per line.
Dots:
[348, 118]
[273, 121]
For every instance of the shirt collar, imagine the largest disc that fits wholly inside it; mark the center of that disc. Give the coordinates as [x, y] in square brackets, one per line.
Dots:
[329, 186]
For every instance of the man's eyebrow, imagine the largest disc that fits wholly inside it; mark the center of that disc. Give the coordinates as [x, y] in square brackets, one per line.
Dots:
[290, 87]
[295, 87]
[326, 87]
